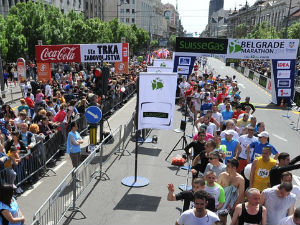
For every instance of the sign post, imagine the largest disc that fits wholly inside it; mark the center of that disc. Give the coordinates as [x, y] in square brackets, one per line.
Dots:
[93, 115]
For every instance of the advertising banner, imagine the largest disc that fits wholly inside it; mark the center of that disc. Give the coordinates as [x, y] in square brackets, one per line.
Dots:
[189, 46]
[121, 67]
[229, 62]
[183, 64]
[157, 69]
[283, 73]
[156, 100]
[163, 63]
[21, 69]
[115, 52]
[262, 49]
[57, 53]
[43, 72]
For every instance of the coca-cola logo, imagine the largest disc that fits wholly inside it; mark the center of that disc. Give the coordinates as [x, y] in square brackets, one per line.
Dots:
[64, 54]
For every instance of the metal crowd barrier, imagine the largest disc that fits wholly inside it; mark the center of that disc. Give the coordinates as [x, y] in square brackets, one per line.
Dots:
[68, 192]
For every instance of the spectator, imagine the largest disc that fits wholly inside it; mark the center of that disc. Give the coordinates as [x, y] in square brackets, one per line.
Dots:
[10, 211]
[23, 106]
[73, 144]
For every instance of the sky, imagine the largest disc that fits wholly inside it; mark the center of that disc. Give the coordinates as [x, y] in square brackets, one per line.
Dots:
[194, 13]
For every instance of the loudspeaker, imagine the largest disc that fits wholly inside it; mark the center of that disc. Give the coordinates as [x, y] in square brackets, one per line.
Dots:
[183, 125]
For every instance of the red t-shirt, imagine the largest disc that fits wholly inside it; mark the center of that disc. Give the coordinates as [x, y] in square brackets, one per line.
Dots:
[236, 114]
[29, 102]
[221, 97]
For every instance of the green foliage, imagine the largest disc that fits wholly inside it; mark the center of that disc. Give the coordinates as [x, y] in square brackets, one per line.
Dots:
[172, 41]
[154, 43]
[263, 31]
[241, 31]
[294, 31]
[29, 22]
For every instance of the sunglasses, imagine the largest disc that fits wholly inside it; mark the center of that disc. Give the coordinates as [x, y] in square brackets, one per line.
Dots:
[211, 158]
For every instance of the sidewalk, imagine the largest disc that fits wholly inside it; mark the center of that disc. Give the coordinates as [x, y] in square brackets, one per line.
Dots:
[12, 94]
[32, 199]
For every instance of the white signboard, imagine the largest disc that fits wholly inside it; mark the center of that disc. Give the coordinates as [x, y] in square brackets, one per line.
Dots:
[157, 69]
[163, 63]
[115, 52]
[262, 49]
[157, 93]
[284, 92]
[283, 74]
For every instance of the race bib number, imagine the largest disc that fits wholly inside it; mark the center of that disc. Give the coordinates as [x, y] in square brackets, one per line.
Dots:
[263, 173]
[228, 153]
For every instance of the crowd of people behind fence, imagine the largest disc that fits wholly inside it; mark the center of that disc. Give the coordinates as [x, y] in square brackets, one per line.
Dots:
[236, 170]
[48, 107]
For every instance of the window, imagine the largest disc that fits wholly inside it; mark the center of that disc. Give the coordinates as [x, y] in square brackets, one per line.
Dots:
[127, 1]
[132, 20]
[122, 11]
[127, 10]
[133, 1]
[122, 20]
[133, 11]
[127, 20]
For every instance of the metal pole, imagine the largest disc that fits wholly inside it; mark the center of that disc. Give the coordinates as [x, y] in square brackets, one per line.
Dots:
[287, 20]
[1, 77]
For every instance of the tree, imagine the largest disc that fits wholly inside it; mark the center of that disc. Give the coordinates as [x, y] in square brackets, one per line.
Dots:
[3, 39]
[294, 31]
[154, 43]
[263, 31]
[172, 41]
[142, 36]
[240, 31]
[16, 41]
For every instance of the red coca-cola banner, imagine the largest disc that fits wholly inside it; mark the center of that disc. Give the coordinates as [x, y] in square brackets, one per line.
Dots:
[57, 53]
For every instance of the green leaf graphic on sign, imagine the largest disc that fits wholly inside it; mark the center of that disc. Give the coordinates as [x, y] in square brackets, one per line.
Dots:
[235, 47]
[157, 84]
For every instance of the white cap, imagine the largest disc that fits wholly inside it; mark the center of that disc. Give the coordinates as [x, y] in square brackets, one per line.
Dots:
[263, 134]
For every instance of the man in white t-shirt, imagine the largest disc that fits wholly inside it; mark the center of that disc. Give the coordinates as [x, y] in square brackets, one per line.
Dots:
[199, 214]
[292, 219]
[288, 177]
[48, 90]
[217, 115]
[245, 140]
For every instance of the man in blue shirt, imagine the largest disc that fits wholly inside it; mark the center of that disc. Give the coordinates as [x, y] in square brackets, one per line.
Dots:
[232, 145]
[258, 147]
[227, 113]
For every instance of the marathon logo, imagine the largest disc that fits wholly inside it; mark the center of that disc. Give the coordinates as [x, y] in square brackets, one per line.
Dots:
[284, 92]
[283, 64]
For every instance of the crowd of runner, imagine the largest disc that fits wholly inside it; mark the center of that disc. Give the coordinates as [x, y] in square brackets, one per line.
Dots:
[236, 170]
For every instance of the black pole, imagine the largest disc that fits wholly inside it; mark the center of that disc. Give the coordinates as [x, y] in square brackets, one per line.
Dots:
[136, 131]
[1, 77]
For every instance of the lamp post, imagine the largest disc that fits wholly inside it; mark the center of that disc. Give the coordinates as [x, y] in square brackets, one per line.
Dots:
[1, 77]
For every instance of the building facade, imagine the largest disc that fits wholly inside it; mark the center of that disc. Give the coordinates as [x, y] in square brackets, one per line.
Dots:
[92, 8]
[214, 6]
[65, 6]
[275, 12]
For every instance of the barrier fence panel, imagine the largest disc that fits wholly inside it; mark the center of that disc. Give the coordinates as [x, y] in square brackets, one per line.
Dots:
[59, 202]
[86, 172]
[111, 144]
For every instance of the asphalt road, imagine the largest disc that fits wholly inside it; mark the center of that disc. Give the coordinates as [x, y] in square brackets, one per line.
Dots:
[109, 202]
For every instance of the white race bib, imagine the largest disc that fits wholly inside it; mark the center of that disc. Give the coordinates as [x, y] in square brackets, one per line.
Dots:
[263, 173]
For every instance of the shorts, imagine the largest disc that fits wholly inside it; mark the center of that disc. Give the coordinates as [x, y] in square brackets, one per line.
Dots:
[242, 164]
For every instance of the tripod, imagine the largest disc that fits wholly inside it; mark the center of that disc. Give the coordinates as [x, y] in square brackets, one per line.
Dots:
[183, 138]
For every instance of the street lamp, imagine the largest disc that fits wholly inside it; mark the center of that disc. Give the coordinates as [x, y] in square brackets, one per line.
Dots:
[124, 3]
[287, 20]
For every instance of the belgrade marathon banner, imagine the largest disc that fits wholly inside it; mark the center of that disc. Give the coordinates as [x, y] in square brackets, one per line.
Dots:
[156, 99]
[188, 46]
[183, 64]
[283, 77]
[262, 49]
[115, 52]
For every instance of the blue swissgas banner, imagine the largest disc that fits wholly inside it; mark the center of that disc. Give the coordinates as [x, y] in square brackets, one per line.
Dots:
[183, 64]
[283, 73]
